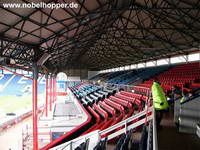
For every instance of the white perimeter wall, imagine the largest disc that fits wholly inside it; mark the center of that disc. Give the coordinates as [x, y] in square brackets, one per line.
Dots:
[92, 74]
[73, 78]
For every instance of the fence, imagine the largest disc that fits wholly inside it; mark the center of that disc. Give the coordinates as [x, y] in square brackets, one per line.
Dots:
[113, 131]
[44, 137]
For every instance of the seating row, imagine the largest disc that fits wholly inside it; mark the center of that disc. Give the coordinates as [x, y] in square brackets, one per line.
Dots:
[184, 76]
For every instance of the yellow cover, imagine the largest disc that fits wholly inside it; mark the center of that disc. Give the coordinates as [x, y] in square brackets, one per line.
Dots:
[159, 98]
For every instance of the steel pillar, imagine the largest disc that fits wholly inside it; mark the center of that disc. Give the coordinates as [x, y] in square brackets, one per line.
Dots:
[47, 87]
[35, 109]
[51, 91]
[55, 90]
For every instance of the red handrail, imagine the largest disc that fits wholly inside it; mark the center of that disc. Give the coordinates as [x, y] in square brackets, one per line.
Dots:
[98, 120]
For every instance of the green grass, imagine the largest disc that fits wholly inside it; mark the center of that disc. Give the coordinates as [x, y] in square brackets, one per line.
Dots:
[13, 103]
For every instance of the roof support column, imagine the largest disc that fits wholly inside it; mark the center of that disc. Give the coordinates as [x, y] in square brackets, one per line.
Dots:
[156, 63]
[170, 61]
[145, 65]
[51, 92]
[55, 89]
[35, 108]
[47, 95]
[186, 58]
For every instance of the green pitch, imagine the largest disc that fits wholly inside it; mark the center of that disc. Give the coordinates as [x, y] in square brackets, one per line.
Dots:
[14, 103]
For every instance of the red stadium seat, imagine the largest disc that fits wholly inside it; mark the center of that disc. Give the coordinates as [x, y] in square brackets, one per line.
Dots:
[123, 103]
[130, 99]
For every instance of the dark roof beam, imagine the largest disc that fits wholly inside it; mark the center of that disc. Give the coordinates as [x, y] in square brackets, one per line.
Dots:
[26, 18]
[72, 27]
[128, 53]
[164, 19]
[158, 37]
[27, 33]
[172, 3]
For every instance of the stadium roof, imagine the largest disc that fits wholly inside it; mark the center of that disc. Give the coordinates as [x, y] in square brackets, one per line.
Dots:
[99, 34]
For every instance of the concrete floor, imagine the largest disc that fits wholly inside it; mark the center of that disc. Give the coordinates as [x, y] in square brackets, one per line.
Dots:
[170, 139]
[11, 138]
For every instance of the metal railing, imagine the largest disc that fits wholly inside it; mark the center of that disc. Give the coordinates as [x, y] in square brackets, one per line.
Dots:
[198, 130]
[111, 132]
[27, 136]
[71, 145]
[126, 125]
[155, 140]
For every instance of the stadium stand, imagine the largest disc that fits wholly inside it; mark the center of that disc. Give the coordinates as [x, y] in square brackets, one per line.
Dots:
[184, 76]
[108, 76]
[105, 112]
[130, 76]
[120, 79]
[5, 78]
[130, 43]
[72, 83]
[15, 85]
[108, 106]
[18, 86]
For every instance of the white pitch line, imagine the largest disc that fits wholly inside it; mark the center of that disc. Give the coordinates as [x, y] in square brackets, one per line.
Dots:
[5, 85]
